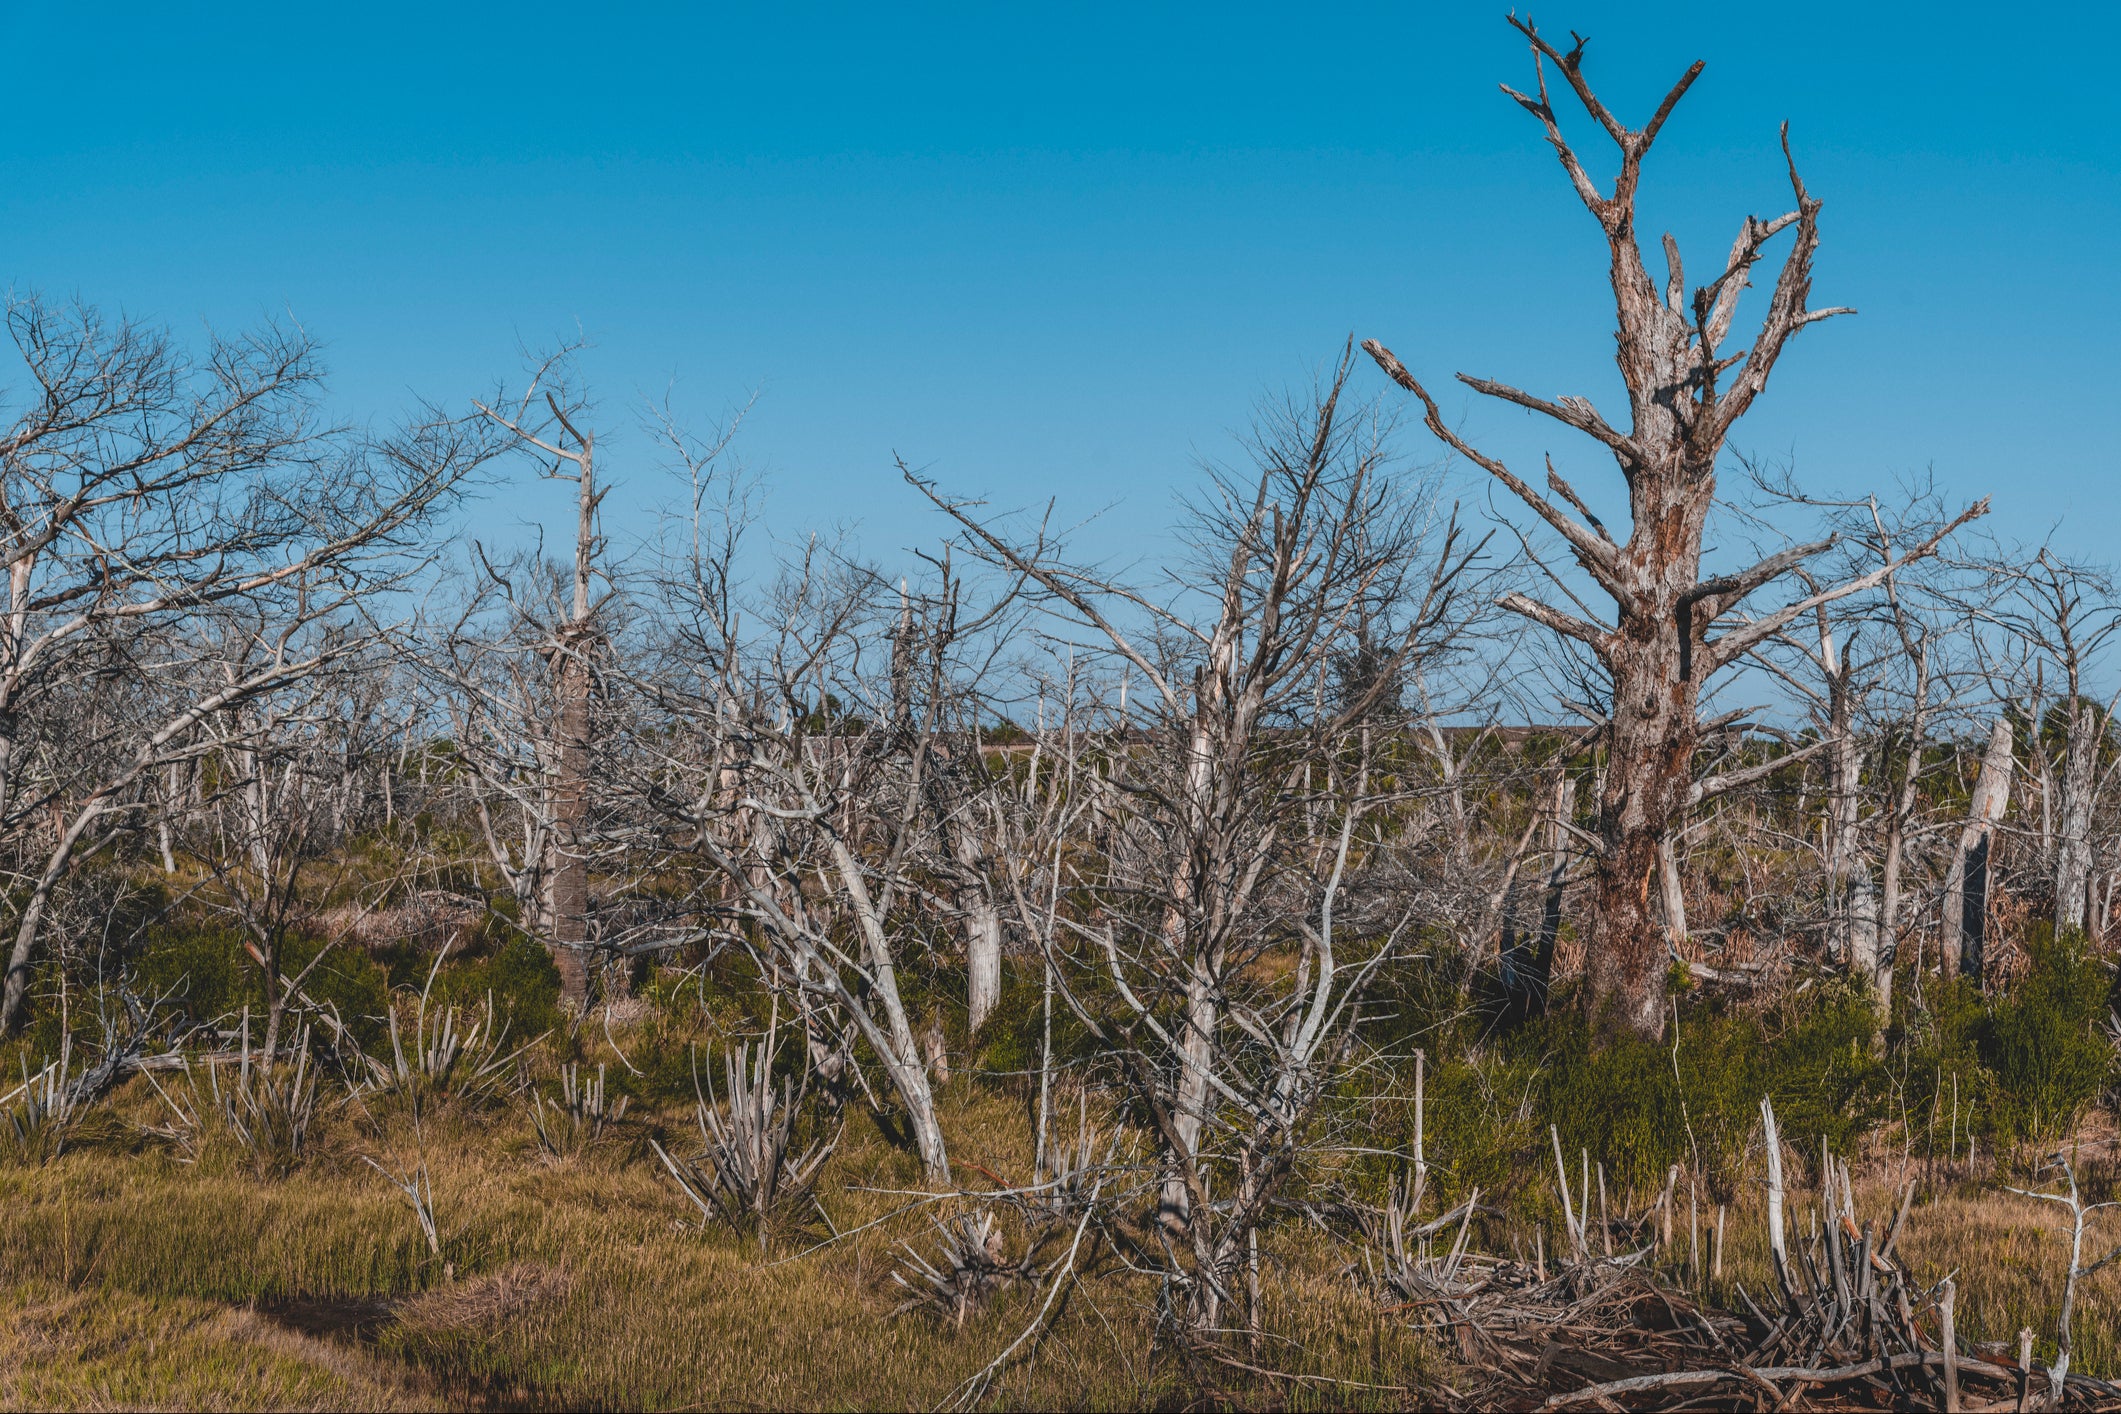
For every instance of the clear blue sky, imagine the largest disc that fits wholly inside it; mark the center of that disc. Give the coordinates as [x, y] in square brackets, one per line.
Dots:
[1062, 250]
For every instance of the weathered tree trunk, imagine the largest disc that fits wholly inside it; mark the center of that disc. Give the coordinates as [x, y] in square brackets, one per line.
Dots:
[567, 881]
[1966, 886]
[1866, 958]
[902, 1055]
[564, 803]
[981, 915]
[2073, 846]
[1674, 891]
[569, 874]
[1844, 782]
[1529, 973]
[1197, 1045]
[983, 955]
[1900, 817]
[1649, 778]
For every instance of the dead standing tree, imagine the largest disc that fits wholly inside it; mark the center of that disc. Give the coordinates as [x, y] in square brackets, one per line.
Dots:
[1210, 866]
[1657, 652]
[2065, 614]
[570, 654]
[142, 488]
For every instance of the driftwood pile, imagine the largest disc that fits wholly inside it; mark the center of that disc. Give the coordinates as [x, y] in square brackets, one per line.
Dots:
[1843, 1329]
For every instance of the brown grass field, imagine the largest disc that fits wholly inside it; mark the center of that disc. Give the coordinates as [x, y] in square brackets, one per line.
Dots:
[133, 1280]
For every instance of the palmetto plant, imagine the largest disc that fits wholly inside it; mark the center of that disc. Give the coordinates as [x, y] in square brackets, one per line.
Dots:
[451, 1052]
[266, 1110]
[744, 1173]
[41, 1111]
[971, 1264]
[580, 1115]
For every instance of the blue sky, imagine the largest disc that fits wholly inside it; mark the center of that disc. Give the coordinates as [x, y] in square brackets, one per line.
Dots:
[1062, 251]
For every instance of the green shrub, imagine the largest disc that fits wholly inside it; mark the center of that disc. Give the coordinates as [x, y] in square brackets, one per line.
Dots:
[1939, 1057]
[199, 966]
[1821, 1066]
[1480, 1121]
[1641, 1106]
[520, 975]
[1620, 1101]
[348, 981]
[2042, 1042]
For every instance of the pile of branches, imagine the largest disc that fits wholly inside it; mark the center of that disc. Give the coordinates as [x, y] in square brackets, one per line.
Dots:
[1843, 1330]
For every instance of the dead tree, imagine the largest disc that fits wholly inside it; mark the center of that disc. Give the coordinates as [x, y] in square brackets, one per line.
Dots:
[1685, 396]
[1966, 888]
[145, 488]
[1875, 682]
[2061, 615]
[1208, 866]
[785, 754]
[1904, 733]
[548, 420]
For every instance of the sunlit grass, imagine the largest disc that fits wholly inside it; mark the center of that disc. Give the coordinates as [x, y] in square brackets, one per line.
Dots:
[130, 1278]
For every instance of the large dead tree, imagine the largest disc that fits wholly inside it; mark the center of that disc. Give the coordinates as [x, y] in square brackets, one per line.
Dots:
[1672, 628]
[1966, 888]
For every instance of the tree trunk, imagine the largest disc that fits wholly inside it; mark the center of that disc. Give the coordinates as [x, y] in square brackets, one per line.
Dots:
[1867, 958]
[983, 957]
[1647, 782]
[1528, 973]
[1190, 1103]
[1197, 1046]
[1966, 886]
[982, 921]
[2073, 847]
[15, 995]
[1889, 905]
[900, 1051]
[1844, 782]
[569, 876]
[162, 818]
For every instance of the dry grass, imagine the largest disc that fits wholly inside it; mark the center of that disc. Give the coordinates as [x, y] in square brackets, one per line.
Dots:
[131, 1279]
[135, 1280]
[96, 1348]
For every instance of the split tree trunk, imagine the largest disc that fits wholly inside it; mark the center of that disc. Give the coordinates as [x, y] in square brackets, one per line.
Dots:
[1966, 886]
[2073, 847]
[1674, 889]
